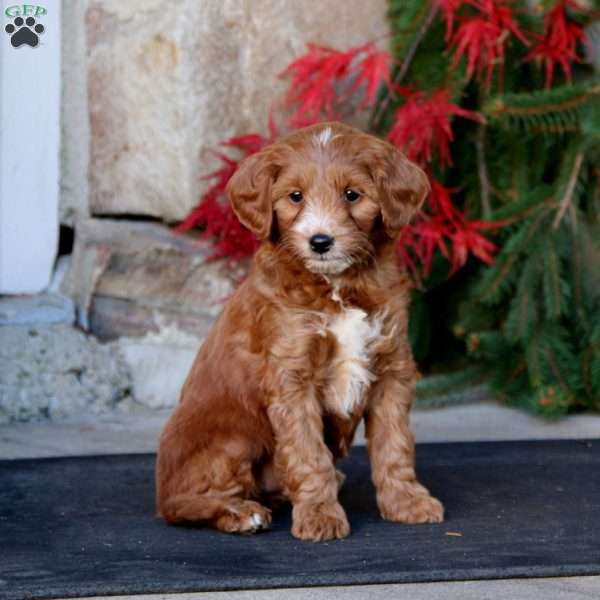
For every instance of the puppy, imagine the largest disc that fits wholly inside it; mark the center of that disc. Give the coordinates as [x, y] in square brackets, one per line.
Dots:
[313, 341]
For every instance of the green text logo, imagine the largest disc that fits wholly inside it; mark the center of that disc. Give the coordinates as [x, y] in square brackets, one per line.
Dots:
[25, 10]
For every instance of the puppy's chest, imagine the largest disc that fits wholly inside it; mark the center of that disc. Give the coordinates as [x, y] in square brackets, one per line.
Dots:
[350, 369]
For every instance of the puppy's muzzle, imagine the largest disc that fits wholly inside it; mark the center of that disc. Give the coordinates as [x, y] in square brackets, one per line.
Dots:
[321, 243]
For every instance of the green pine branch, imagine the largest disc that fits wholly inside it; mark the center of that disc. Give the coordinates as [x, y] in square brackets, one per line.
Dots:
[556, 291]
[523, 313]
[530, 322]
[555, 110]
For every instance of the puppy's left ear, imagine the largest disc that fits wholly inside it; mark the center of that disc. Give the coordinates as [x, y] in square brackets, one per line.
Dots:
[403, 187]
[249, 192]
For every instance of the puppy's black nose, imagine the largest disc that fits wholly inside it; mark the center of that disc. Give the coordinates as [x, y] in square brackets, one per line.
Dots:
[321, 243]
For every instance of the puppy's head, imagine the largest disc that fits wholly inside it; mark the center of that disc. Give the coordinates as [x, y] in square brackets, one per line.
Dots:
[328, 193]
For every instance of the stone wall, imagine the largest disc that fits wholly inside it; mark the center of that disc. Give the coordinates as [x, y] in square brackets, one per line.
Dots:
[150, 87]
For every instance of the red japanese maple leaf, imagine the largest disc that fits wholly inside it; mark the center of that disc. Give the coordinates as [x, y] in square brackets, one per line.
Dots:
[483, 36]
[213, 212]
[373, 70]
[321, 80]
[314, 78]
[558, 44]
[449, 9]
[422, 125]
[442, 227]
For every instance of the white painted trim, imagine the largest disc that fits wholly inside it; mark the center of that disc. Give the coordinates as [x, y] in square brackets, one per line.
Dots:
[29, 154]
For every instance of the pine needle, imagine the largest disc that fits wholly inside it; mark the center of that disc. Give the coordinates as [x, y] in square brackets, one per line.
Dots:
[484, 179]
[566, 200]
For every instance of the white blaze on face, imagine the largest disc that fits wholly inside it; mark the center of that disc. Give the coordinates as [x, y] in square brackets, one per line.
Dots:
[324, 136]
[314, 219]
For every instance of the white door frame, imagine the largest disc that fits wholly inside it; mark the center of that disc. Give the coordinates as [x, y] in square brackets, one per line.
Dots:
[30, 96]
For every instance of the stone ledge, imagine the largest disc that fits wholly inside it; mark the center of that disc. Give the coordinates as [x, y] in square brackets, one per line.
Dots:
[43, 309]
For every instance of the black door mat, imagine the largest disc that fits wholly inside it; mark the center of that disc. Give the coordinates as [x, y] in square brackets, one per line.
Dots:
[85, 526]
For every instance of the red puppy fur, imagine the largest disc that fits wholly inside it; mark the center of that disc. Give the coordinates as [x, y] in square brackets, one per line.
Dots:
[313, 341]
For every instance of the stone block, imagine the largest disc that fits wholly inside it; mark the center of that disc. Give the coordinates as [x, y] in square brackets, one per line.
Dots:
[133, 278]
[159, 363]
[168, 81]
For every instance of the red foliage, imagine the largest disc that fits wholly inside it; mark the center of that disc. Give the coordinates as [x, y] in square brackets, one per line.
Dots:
[449, 8]
[558, 44]
[318, 79]
[422, 125]
[444, 228]
[483, 36]
[230, 238]
[372, 70]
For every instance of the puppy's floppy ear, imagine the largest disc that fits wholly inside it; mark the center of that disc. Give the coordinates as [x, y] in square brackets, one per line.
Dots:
[402, 184]
[249, 192]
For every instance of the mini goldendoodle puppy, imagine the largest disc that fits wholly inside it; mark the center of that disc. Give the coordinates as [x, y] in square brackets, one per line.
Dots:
[313, 341]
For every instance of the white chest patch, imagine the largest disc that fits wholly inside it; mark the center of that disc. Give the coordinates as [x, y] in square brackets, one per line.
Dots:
[351, 365]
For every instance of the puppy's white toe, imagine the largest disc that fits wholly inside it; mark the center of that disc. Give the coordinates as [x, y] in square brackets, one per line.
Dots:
[257, 521]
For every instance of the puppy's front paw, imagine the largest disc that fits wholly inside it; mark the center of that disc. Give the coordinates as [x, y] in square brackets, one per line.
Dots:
[410, 503]
[319, 521]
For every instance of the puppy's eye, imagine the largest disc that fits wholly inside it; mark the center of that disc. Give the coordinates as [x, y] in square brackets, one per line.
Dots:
[351, 195]
[296, 197]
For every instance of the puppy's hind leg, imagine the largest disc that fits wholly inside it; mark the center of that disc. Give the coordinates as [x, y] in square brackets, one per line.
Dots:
[229, 514]
[215, 486]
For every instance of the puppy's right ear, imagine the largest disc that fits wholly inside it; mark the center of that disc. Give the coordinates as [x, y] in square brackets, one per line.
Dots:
[249, 191]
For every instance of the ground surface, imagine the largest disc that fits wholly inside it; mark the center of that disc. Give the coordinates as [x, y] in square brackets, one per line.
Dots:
[138, 432]
[566, 588]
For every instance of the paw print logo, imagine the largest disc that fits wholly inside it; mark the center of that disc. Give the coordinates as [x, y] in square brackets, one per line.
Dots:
[24, 32]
